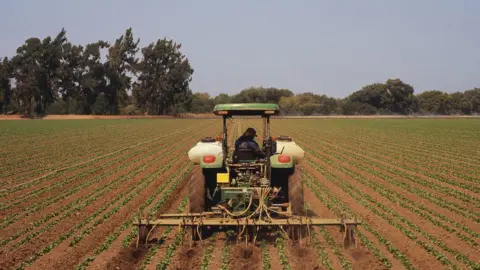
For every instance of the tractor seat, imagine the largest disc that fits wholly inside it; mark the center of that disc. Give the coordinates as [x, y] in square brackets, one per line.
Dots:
[243, 156]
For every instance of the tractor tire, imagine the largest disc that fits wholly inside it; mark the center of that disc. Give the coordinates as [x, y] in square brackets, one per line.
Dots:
[197, 191]
[295, 193]
[295, 197]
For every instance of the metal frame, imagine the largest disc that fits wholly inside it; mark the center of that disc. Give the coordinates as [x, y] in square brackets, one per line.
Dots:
[263, 216]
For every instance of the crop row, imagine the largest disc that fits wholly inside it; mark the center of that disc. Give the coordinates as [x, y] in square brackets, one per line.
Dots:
[396, 143]
[382, 211]
[385, 191]
[455, 253]
[419, 160]
[392, 155]
[112, 211]
[173, 181]
[338, 207]
[112, 171]
[154, 249]
[390, 169]
[56, 157]
[76, 206]
[65, 137]
[143, 183]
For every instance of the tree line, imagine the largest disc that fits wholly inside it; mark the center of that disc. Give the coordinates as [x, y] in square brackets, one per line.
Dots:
[392, 97]
[54, 76]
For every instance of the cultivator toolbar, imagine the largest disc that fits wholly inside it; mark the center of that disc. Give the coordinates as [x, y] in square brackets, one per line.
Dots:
[248, 224]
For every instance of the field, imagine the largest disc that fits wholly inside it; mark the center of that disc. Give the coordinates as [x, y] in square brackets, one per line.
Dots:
[72, 188]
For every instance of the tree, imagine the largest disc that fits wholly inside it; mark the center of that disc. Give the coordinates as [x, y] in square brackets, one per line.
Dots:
[50, 61]
[92, 79]
[70, 73]
[164, 77]
[120, 60]
[434, 102]
[55, 74]
[35, 69]
[289, 105]
[370, 99]
[261, 95]
[401, 96]
[472, 101]
[458, 103]
[26, 73]
[201, 103]
[221, 99]
[393, 96]
[5, 84]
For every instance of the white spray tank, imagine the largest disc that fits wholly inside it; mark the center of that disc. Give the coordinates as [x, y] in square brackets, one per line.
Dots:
[289, 148]
[206, 146]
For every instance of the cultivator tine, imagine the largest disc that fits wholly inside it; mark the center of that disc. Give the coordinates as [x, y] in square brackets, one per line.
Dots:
[349, 237]
[255, 230]
[144, 230]
[294, 228]
[246, 237]
[348, 233]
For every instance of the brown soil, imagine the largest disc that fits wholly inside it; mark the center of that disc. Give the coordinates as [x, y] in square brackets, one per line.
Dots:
[165, 242]
[274, 258]
[62, 255]
[50, 194]
[216, 260]
[323, 150]
[114, 256]
[384, 160]
[397, 189]
[242, 257]
[66, 225]
[360, 257]
[188, 257]
[47, 165]
[65, 256]
[83, 194]
[417, 254]
[54, 180]
[302, 257]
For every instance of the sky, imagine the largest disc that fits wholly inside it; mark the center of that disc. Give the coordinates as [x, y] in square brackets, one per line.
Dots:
[326, 47]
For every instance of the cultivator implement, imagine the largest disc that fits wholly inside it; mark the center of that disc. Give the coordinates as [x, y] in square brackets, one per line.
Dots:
[240, 191]
[248, 224]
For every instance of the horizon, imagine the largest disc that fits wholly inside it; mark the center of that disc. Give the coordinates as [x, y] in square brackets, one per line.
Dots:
[409, 40]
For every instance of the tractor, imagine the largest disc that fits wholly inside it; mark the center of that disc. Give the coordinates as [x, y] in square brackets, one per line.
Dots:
[233, 190]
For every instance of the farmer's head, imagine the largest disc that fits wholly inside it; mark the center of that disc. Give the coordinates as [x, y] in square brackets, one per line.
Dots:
[250, 132]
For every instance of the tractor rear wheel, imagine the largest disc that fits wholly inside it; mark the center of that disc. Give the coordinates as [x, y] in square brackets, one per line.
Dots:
[296, 200]
[197, 191]
[295, 193]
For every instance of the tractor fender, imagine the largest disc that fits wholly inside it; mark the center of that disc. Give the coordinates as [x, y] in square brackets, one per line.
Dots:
[282, 161]
[207, 163]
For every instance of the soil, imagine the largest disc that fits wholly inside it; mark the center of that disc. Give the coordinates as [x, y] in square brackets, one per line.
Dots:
[24, 221]
[303, 256]
[64, 255]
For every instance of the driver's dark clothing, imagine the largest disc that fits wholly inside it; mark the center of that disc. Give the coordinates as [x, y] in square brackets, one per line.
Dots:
[247, 146]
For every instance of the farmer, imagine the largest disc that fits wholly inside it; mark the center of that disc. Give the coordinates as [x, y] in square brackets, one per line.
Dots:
[246, 147]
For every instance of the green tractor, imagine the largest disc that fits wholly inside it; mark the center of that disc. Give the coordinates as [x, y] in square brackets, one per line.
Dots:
[228, 189]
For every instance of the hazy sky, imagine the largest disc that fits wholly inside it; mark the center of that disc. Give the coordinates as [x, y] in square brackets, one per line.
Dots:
[331, 47]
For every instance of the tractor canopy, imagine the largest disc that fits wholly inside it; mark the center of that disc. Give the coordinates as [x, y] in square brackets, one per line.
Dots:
[246, 109]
